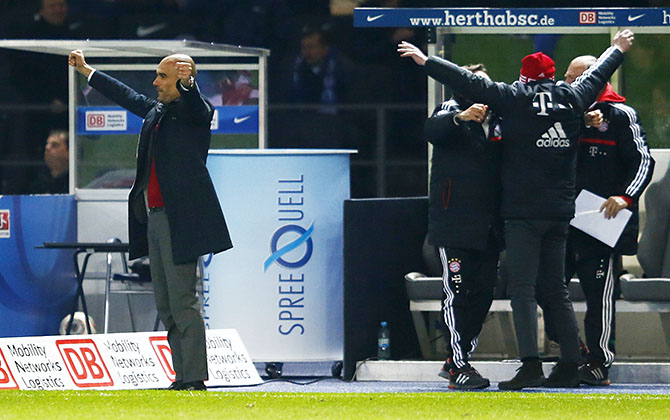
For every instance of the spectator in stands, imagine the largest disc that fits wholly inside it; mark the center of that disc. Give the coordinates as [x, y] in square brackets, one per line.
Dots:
[42, 78]
[322, 78]
[53, 178]
[321, 74]
[615, 163]
[51, 20]
[542, 124]
[464, 223]
[251, 23]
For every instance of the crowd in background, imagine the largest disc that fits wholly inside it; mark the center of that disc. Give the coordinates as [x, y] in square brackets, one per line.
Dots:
[318, 59]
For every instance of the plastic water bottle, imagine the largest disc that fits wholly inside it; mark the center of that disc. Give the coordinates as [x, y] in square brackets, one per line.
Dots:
[383, 342]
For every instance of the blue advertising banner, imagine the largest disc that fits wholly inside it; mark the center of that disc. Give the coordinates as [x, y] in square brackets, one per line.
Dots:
[280, 286]
[502, 18]
[99, 120]
[37, 286]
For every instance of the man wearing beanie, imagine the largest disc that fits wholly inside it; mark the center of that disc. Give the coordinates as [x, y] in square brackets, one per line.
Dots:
[542, 122]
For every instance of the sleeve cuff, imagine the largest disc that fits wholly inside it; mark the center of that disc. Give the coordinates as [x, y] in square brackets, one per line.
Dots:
[90, 75]
[627, 199]
[187, 88]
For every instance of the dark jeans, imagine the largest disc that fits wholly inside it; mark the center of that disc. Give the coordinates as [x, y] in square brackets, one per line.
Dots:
[535, 266]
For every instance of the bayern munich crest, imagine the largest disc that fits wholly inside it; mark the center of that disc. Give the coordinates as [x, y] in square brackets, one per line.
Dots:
[455, 266]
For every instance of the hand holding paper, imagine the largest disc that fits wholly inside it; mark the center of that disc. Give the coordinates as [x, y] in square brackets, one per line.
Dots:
[613, 206]
[590, 218]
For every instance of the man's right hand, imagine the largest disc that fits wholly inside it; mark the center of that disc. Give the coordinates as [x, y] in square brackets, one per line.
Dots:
[476, 112]
[623, 40]
[593, 118]
[78, 61]
[408, 50]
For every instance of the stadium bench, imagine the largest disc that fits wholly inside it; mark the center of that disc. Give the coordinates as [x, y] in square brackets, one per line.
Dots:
[640, 296]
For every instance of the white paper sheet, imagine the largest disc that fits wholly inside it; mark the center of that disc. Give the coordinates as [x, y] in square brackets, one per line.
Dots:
[590, 220]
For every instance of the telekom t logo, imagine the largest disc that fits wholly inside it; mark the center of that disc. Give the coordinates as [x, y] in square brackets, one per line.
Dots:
[7, 380]
[84, 363]
[542, 100]
[164, 353]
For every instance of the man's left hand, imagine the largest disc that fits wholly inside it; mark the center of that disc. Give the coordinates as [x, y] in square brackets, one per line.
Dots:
[184, 72]
[612, 206]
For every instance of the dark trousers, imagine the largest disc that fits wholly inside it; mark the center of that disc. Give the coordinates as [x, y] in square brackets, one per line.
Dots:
[535, 266]
[177, 302]
[468, 279]
[596, 277]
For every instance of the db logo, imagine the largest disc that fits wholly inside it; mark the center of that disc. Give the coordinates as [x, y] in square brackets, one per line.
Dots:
[7, 380]
[587, 18]
[95, 120]
[84, 363]
[162, 349]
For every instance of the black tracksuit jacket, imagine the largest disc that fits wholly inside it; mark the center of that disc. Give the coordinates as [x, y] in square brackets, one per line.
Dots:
[613, 159]
[543, 121]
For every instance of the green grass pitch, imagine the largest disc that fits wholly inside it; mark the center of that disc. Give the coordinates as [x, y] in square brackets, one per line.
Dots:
[259, 405]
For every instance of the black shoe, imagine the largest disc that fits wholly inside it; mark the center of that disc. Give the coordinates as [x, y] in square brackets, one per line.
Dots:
[193, 386]
[466, 377]
[584, 350]
[563, 375]
[529, 375]
[175, 386]
[594, 373]
[446, 367]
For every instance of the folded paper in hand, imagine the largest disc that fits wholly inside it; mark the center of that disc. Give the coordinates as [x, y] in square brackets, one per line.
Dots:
[589, 219]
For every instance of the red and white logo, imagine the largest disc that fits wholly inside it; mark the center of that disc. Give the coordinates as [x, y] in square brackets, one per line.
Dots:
[84, 363]
[164, 353]
[4, 224]
[103, 120]
[7, 380]
[588, 18]
[95, 120]
[454, 265]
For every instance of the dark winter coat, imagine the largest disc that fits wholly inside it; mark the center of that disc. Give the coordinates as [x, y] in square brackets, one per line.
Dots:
[179, 146]
[464, 201]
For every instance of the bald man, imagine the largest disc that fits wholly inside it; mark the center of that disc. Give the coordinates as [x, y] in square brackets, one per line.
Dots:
[174, 215]
[614, 162]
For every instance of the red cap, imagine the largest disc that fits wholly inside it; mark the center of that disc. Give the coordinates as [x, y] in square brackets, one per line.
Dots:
[536, 67]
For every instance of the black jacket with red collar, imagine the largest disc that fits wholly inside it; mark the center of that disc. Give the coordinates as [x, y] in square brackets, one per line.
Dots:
[613, 159]
[465, 188]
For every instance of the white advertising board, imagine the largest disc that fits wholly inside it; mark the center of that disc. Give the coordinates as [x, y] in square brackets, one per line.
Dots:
[115, 361]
